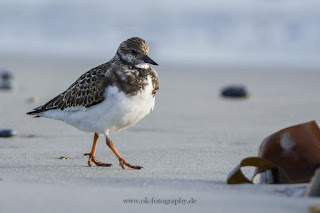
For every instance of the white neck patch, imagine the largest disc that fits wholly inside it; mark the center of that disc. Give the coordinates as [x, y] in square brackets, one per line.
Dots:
[143, 66]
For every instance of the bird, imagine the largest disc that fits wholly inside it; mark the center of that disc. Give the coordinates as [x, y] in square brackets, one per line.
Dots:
[109, 97]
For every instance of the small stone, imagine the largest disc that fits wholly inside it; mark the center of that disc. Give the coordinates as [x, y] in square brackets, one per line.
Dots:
[6, 75]
[6, 85]
[7, 132]
[63, 158]
[234, 91]
[33, 99]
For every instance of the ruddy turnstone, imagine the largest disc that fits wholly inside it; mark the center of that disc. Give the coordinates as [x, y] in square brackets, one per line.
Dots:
[109, 97]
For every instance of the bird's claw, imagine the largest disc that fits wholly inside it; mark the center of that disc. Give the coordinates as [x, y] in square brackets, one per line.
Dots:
[95, 161]
[123, 163]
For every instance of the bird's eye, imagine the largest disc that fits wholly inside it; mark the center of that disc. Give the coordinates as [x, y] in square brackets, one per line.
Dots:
[133, 51]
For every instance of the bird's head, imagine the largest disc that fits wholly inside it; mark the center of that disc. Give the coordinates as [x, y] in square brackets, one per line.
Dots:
[134, 52]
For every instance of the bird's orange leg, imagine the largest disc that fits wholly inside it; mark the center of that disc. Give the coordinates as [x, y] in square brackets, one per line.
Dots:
[122, 162]
[93, 152]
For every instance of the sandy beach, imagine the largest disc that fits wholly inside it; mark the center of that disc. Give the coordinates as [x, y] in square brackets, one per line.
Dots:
[187, 145]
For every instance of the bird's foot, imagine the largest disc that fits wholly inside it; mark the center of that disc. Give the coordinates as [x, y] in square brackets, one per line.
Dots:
[123, 163]
[95, 161]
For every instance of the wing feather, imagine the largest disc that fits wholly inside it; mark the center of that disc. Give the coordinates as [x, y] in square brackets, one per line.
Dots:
[86, 91]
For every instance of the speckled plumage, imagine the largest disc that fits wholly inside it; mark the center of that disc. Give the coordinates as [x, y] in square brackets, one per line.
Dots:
[88, 89]
[109, 97]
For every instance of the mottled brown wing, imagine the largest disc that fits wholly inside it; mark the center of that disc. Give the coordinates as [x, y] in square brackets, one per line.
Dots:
[85, 92]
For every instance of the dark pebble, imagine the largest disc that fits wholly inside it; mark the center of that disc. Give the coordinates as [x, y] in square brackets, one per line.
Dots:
[7, 132]
[6, 85]
[234, 92]
[6, 75]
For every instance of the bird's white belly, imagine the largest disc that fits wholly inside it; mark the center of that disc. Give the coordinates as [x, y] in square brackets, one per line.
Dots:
[116, 112]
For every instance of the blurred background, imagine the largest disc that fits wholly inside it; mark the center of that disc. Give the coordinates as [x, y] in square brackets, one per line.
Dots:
[264, 32]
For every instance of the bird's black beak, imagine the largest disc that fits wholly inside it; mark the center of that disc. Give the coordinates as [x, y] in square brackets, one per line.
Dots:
[148, 60]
